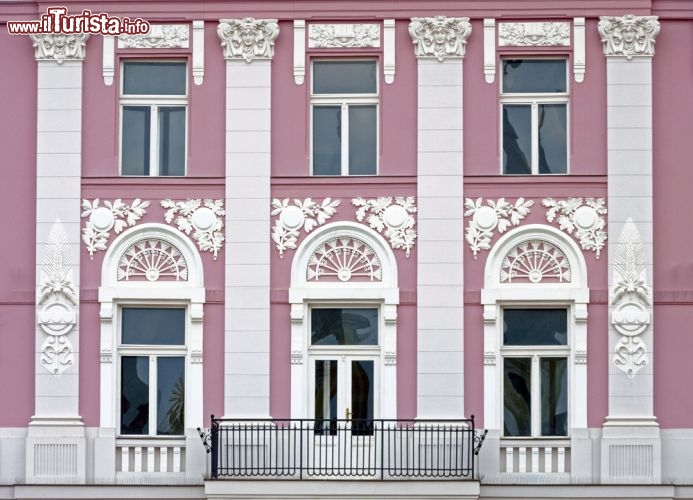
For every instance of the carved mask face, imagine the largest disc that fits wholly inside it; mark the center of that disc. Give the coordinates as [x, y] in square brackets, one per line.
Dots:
[248, 36]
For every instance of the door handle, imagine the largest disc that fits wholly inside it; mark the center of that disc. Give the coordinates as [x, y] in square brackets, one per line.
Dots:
[347, 414]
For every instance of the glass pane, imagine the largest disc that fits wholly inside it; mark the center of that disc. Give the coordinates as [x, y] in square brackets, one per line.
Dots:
[327, 140]
[517, 397]
[135, 140]
[517, 139]
[535, 327]
[172, 141]
[362, 397]
[554, 396]
[537, 75]
[134, 395]
[154, 78]
[344, 326]
[553, 148]
[362, 140]
[153, 326]
[170, 396]
[344, 77]
[326, 397]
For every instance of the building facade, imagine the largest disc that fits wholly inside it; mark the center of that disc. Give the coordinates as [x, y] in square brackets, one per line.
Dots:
[344, 229]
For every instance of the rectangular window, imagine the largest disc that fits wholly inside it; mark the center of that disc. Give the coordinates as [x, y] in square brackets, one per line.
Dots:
[153, 118]
[344, 327]
[344, 118]
[534, 105]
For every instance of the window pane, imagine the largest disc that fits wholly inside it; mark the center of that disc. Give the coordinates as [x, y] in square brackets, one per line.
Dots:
[327, 140]
[553, 149]
[134, 395]
[326, 396]
[554, 397]
[362, 140]
[517, 397]
[170, 396]
[171, 141]
[344, 77]
[154, 78]
[538, 75]
[153, 326]
[517, 139]
[135, 141]
[362, 397]
[535, 327]
[344, 326]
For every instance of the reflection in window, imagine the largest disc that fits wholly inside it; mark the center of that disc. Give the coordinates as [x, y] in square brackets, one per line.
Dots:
[345, 326]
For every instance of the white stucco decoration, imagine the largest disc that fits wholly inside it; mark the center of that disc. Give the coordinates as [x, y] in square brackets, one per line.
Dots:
[115, 215]
[439, 37]
[584, 217]
[628, 35]
[395, 219]
[535, 261]
[534, 34]
[248, 38]
[159, 36]
[631, 300]
[485, 219]
[579, 49]
[343, 35]
[290, 219]
[152, 259]
[344, 258]
[202, 218]
[489, 50]
[60, 47]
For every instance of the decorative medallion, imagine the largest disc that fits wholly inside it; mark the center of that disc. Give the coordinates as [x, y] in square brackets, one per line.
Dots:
[202, 218]
[631, 301]
[60, 47]
[343, 35]
[534, 34]
[535, 261]
[116, 215]
[346, 259]
[306, 215]
[586, 220]
[397, 220]
[440, 36]
[152, 259]
[248, 38]
[629, 35]
[486, 219]
[159, 36]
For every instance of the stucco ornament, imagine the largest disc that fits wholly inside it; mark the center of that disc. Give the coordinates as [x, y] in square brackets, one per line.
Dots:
[585, 218]
[485, 219]
[631, 301]
[306, 215]
[159, 36]
[202, 218]
[115, 215]
[152, 259]
[60, 47]
[440, 36]
[395, 219]
[535, 261]
[629, 35]
[58, 297]
[344, 258]
[534, 34]
[343, 35]
[248, 38]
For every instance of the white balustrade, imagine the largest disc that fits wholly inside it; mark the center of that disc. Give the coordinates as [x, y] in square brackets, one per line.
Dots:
[150, 456]
[530, 457]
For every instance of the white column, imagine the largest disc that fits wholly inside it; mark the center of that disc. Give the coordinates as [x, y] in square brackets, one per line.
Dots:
[247, 297]
[440, 340]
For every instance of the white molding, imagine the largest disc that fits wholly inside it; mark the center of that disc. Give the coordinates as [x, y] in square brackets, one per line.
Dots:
[248, 38]
[159, 36]
[203, 218]
[440, 37]
[299, 51]
[322, 36]
[534, 34]
[628, 36]
[389, 50]
[108, 59]
[114, 215]
[579, 53]
[396, 219]
[302, 215]
[60, 47]
[485, 220]
[489, 50]
[198, 55]
[583, 217]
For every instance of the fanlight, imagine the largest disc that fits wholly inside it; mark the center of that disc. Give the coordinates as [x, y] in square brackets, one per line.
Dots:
[535, 261]
[344, 258]
[152, 259]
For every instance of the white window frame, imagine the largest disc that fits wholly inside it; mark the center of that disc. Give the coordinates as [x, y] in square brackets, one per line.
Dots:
[534, 100]
[345, 101]
[154, 102]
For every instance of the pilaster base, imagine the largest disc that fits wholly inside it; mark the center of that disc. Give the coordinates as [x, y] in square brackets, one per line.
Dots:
[56, 450]
[631, 450]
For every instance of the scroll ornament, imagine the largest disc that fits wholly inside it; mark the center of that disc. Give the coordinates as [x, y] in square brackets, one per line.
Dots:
[629, 35]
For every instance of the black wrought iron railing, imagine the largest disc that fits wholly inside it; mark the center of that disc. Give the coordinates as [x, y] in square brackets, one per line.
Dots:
[364, 449]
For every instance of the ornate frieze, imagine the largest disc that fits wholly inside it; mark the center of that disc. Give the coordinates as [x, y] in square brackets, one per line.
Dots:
[628, 35]
[152, 259]
[60, 47]
[485, 219]
[159, 36]
[585, 218]
[631, 301]
[439, 37]
[535, 261]
[248, 38]
[306, 215]
[534, 34]
[343, 35]
[114, 215]
[393, 218]
[346, 259]
[202, 218]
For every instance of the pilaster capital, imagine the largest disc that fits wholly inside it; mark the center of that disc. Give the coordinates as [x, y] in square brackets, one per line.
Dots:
[60, 46]
[440, 37]
[248, 38]
[629, 35]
